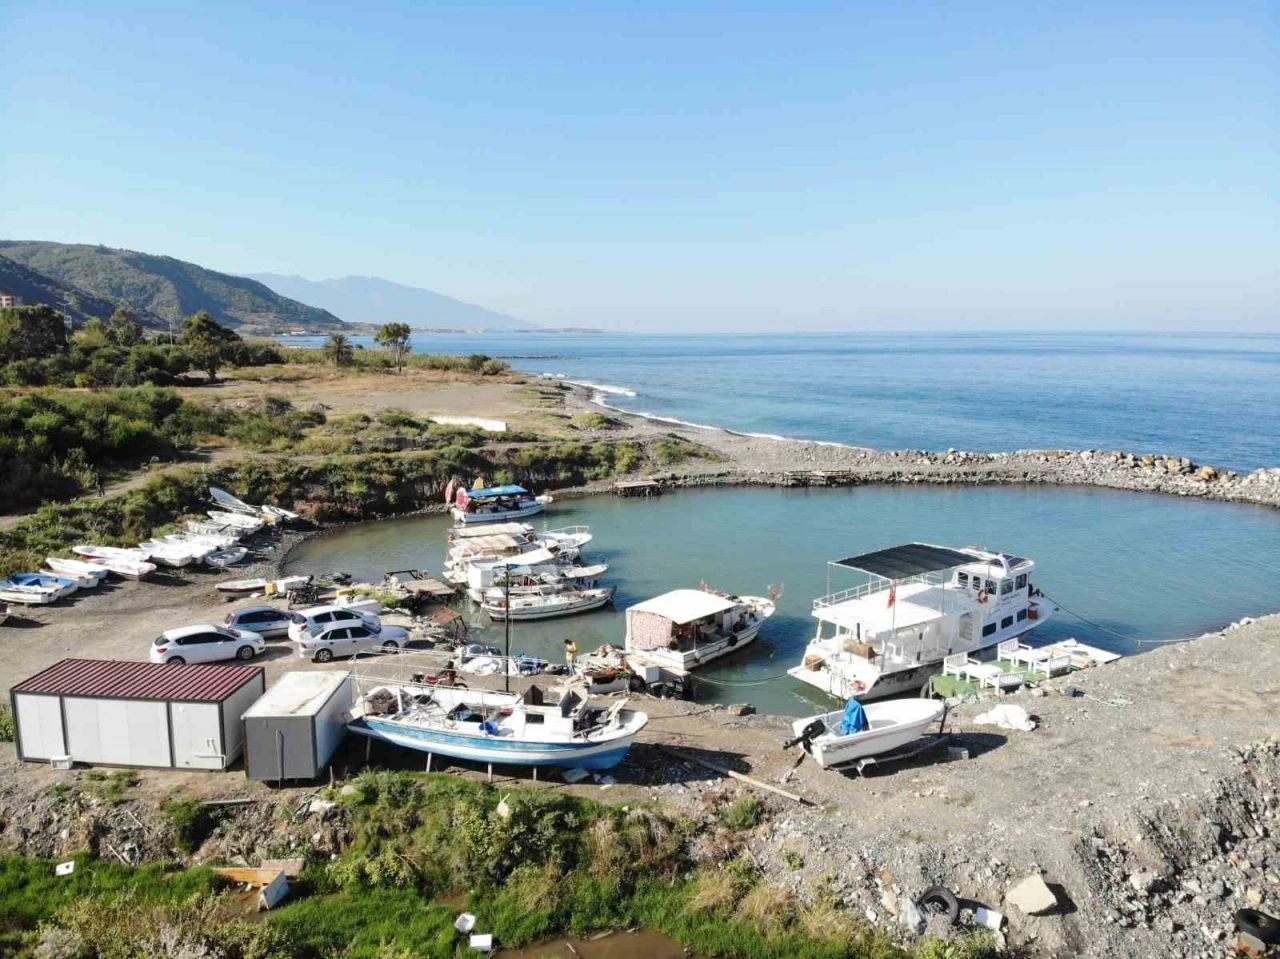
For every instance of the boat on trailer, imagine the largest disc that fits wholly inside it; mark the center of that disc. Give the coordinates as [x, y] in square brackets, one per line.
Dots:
[495, 727]
[919, 604]
[687, 628]
[891, 725]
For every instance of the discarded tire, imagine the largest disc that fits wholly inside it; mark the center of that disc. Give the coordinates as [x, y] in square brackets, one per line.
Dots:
[1258, 924]
[940, 900]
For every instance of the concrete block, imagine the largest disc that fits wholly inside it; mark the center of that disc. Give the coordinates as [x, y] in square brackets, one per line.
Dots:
[1032, 896]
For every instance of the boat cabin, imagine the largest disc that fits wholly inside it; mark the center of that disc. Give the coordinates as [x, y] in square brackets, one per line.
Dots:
[492, 499]
[920, 603]
[682, 628]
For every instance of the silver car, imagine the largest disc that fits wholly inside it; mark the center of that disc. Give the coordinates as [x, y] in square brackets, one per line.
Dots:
[267, 621]
[346, 639]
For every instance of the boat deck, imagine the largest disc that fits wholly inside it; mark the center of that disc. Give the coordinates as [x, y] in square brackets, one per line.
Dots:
[950, 686]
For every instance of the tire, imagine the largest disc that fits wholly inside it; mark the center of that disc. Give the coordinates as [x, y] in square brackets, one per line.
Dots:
[1259, 925]
[390, 644]
[323, 656]
[244, 653]
[940, 900]
[175, 661]
[733, 641]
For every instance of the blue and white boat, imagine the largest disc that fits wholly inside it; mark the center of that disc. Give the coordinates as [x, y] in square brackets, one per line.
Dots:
[35, 588]
[498, 728]
[494, 504]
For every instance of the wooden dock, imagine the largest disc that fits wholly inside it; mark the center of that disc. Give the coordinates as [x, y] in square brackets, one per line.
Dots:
[818, 478]
[638, 488]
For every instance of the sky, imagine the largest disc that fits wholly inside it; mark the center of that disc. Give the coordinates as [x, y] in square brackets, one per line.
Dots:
[675, 166]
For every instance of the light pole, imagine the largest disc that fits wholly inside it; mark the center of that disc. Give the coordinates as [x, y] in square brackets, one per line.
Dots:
[506, 602]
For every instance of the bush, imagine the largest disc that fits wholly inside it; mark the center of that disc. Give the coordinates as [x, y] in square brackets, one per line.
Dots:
[744, 813]
[7, 729]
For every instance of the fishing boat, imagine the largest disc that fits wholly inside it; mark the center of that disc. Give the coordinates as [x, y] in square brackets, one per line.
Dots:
[687, 628]
[488, 585]
[232, 588]
[76, 568]
[492, 727]
[222, 558]
[546, 602]
[918, 605]
[890, 725]
[34, 589]
[495, 504]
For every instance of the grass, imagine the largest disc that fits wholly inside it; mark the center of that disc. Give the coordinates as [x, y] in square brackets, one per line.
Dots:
[744, 813]
[675, 449]
[596, 421]
[110, 788]
[7, 728]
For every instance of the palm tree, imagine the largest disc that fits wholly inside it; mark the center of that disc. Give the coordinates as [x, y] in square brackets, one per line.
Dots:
[338, 348]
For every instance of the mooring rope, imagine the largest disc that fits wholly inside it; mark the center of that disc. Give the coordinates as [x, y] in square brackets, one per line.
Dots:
[1105, 629]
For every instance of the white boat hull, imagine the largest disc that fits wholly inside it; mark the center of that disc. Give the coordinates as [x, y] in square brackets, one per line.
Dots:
[893, 724]
[470, 519]
[550, 611]
[29, 597]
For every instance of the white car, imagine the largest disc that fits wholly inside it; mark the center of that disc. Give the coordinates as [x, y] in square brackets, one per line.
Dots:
[344, 639]
[205, 644]
[313, 620]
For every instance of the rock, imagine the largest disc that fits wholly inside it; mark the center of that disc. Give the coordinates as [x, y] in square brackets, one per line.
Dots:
[1032, 896]
[1253, 897]
[740, 709]
[351, 790]
[1217, 889]
[1143, 880]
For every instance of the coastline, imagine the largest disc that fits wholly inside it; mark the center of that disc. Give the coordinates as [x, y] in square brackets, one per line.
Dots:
[767, 460]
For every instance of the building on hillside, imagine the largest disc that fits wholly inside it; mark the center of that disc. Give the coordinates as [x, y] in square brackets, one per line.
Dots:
[8, 299]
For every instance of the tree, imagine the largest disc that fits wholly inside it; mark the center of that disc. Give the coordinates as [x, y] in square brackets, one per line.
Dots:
[31, 332]
[395, 337]
[123, 330]
[210, 344]
[339, 349]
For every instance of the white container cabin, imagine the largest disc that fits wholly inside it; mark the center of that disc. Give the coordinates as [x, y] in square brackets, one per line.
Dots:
[920, 603]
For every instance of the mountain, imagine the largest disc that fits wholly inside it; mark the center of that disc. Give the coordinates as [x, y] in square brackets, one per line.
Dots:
[368, 299]
[168, 288]
[80, 305]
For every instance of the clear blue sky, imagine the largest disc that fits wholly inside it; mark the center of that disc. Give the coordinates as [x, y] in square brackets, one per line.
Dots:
[672, 165]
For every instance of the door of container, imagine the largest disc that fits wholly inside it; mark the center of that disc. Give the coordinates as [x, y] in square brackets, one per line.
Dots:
[197, 737]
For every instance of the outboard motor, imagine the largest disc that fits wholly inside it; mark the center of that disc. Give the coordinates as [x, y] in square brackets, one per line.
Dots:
[807, 735]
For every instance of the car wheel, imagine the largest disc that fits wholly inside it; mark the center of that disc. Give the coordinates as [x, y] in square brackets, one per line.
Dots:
[244, 653]
[390, 644]
[175, 661]
[323, 655]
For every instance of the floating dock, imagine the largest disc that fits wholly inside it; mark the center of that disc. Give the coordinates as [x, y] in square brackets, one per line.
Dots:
[644, 488]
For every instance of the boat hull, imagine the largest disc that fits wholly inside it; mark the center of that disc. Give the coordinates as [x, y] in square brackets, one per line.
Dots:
[471, 519]
[518, 613]
[490, 749]
[27, 597]
[894, 724]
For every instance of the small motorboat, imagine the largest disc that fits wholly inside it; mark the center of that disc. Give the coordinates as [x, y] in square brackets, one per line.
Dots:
[890, 724]
[246, 587]
[125, 563]
[173, 554]
[212, 540]
[222, 558]
[202, 527]
[234, 504]
[249, 524]
[546, 603]
[77, 569]
[81, 580]
[34, 589]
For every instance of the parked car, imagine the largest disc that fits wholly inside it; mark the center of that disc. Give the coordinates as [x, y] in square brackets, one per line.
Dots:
[343, 639]
[205, 644]
[307, 620]
[266, 621]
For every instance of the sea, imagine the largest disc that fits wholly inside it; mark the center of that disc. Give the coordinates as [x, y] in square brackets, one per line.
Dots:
[1131, 571]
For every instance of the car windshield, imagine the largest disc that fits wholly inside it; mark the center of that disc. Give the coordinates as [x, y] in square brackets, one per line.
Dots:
[162, 639]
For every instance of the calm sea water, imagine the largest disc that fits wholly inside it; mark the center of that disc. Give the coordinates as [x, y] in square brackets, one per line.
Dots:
[1213, 398]
[1141, 566]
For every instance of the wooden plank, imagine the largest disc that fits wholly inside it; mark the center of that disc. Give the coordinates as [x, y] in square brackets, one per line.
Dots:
[725, 771]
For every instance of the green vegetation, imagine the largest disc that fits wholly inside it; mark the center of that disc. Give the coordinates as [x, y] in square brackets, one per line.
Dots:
[162, 289]
[191, 820]
[7, 728]
[110, 788]
[596, 421]
[57, 445]
[80, 305]
[676, 449]
[395, 337]
[744, 813]
[361, 360]
[338, 349]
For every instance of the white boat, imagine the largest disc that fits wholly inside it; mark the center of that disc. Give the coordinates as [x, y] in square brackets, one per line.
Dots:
[495, 504]
[173, 554]
[34, 589]
[249, 524]
[892, 724]
[210, 528]
[920, 603]
[493, 583]
[222, 558]
[79, 580]
[687, 628]
[126, 563]
[234, 504]
[213, 540]
[246, 587]
[547, 602]
[76, 568]
[488, 726]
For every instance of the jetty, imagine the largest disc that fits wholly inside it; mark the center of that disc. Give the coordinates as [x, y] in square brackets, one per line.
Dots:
[645, 488]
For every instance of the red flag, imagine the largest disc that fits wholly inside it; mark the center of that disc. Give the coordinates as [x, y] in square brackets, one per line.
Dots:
[893, 594]
[448, 491]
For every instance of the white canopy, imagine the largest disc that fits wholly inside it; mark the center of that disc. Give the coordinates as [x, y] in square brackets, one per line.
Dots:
[535, 557]
[685, 605]
[489, 529]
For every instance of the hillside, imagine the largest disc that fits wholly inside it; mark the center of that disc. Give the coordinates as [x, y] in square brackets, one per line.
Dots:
[80, 305]
[368, 299]
[168, 288]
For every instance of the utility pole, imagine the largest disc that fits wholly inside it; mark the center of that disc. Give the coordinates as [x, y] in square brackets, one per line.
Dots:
[506, 666]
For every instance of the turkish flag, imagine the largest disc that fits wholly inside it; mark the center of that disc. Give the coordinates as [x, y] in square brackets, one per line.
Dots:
[893, 594]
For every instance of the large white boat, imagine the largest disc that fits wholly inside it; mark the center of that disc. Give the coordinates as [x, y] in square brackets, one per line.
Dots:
[545, 602]
[495, 504]
[489, 726]
[686, 628]
[920, 603]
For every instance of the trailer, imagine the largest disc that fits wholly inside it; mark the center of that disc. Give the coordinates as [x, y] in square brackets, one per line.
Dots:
[291, 733]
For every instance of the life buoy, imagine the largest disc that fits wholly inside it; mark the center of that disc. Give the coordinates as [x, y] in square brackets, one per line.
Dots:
[983, 595]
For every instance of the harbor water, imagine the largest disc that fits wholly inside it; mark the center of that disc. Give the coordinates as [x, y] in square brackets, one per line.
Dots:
[1140, 568]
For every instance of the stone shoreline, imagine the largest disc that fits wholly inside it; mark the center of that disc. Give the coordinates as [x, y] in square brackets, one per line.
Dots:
[772, 461]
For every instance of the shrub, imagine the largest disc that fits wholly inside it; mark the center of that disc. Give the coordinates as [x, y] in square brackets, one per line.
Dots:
[744, 813]
[7, 729]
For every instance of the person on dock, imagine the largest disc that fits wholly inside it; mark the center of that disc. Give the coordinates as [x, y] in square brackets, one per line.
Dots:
[571, 656]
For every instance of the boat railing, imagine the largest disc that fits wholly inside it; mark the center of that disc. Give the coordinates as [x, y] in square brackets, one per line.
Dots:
[569, 530]
[845, 595]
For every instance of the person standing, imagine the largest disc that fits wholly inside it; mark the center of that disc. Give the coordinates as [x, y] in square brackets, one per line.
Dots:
[571, 656]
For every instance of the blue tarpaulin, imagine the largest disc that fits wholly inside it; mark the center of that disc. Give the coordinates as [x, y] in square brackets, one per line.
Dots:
[855, 718]
[497, 491]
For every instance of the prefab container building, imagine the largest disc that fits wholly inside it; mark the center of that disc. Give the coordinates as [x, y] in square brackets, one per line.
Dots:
[135, 714]
[292, 731]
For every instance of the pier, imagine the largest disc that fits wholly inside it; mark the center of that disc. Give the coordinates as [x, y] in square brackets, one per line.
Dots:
[645, 488]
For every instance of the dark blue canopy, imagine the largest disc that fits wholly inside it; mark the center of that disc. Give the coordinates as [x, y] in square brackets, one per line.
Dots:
[496, 491]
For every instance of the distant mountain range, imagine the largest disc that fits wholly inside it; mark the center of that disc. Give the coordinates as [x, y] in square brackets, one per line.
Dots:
[368, 299]
[95, 280]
